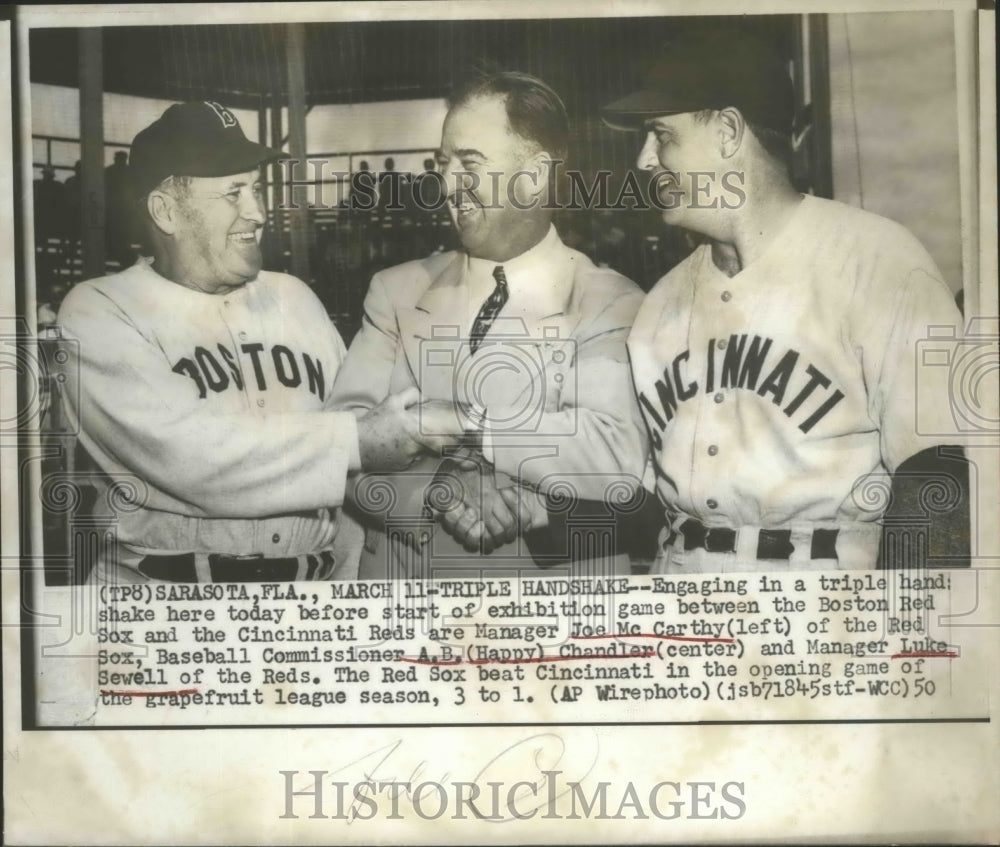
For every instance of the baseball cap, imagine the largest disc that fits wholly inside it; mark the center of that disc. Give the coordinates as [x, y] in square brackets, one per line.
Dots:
[201, 138]
[724, 69]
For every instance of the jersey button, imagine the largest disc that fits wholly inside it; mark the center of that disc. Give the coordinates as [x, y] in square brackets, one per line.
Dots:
[712, 450]
[275, 538]
[712, 504]
[719, 397]
[243, 336]
[727, 296]
[260, 402]
[721, 343]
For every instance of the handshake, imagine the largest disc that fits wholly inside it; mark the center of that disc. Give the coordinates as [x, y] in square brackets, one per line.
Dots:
[464, 496]
[401, 429]
[467, 501]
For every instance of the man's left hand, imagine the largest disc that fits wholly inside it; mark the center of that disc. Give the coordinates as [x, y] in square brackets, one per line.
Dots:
[472, 509]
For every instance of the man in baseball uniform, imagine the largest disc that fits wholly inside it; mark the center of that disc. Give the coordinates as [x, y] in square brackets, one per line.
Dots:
[776, 366]
[202, 384]
[525, 337]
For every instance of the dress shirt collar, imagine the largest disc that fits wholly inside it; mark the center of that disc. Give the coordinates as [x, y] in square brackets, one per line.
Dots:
[539, 280]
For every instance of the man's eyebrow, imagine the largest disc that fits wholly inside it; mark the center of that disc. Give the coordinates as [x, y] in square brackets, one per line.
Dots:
[656, 125]
[469, 151]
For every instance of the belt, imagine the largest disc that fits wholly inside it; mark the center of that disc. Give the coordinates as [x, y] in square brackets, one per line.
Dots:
[182, 567]
[771, 543]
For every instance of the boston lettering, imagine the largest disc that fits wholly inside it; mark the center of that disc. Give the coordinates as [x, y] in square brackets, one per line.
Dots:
[219, 369]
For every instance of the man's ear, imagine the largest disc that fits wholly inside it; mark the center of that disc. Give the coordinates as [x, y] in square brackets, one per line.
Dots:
[732, 129]
[162, 209]
[533, 179]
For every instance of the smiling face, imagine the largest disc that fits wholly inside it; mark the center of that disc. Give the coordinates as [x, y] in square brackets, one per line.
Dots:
[216, 241]
[681, 153]
[490, 175]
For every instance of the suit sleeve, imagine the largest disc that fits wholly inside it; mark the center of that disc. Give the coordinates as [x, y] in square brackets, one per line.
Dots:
[137, 416]
[365, 376]
[595, 435]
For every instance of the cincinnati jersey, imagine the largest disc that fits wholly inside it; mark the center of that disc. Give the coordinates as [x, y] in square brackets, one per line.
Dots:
[771, 396]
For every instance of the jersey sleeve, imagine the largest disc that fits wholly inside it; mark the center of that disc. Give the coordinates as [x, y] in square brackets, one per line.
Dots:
[909, 391]
[365, 376]
[596, 433]
[138, 416]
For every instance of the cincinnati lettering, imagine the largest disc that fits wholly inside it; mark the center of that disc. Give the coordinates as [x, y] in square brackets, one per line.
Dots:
[217, 371]
[785, 377]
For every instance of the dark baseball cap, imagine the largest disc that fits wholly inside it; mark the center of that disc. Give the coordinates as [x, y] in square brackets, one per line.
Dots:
[200, 138]
[725, 69]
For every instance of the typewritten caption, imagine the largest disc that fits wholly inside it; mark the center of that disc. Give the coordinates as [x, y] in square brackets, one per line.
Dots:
[724, 647]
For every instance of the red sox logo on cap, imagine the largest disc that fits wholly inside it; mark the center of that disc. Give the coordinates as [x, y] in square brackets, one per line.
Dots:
[224, 114]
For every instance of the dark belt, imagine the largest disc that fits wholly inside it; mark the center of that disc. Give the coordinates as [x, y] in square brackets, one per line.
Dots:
[181, 567]
[771, 543]
[712, 539]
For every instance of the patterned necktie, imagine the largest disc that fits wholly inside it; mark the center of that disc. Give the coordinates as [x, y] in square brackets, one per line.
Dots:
[490, 309]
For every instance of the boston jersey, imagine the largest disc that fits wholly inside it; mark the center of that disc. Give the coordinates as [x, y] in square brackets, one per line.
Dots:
[219, 404]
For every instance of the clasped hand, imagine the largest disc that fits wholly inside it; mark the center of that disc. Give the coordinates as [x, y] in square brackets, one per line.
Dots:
[401, 429]
[472, 509]
[464, 496]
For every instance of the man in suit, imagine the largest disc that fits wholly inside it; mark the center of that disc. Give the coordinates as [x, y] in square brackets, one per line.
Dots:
[524, 339]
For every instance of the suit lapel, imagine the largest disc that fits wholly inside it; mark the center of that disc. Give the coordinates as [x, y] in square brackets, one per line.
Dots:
[430, 332]
[434, 341]
[534, 347]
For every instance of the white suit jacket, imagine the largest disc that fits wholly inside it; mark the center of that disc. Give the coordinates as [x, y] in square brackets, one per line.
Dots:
[553, 378]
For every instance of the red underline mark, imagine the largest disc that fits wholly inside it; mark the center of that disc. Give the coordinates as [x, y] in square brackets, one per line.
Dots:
[661, 637]
[645, 654]
[149, 693]
[926, 654]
